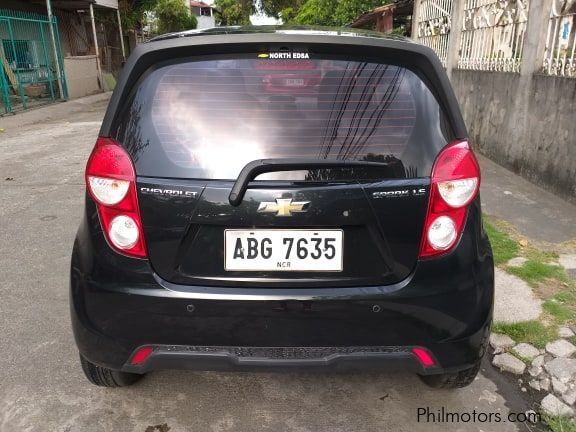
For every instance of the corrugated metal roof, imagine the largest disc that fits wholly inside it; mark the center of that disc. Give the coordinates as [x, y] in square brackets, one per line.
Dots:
[200, 4]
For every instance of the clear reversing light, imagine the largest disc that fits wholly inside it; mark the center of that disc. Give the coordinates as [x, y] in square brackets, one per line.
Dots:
[442, 233]
[123, 232]
[457, 193]
[108, 191]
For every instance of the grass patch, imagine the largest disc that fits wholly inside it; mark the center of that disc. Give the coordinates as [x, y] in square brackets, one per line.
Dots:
[562, 306]
[533, 272]
[560, 424]
[559, 311]
[542, 256]
[532, 332]
[503, 247]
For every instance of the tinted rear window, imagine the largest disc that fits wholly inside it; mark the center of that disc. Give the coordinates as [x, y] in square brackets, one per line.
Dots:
[208, 118]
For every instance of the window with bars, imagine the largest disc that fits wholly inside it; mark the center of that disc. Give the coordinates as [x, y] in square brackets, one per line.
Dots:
[560, 55]
[493, 35]
[18, 53]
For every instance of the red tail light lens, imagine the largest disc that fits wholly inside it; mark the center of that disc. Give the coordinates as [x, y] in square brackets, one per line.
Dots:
[141, 355]
[455, 183]
[111, 181]
[424, 357]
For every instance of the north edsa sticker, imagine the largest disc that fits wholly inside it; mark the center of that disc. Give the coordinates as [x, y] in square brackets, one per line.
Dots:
[284, 55]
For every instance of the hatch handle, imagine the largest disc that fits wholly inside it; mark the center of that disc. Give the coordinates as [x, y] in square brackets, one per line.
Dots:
[261, 166]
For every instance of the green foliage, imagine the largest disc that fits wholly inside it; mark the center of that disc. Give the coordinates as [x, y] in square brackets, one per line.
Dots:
[173, 16]
[560, 424]
[503, 247]
[562, 306]
[333, 12]
[281, 8]
[233, 12]
[532, 332]
[533, 271]
[132, 12]
[305, 12]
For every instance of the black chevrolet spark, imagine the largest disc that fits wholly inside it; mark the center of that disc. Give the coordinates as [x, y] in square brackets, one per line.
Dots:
[275, 198]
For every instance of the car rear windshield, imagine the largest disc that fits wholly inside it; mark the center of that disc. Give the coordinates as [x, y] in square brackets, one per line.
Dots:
[207, 118]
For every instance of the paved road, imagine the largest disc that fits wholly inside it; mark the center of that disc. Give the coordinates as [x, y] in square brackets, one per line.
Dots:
[42, 387]
[535, 212]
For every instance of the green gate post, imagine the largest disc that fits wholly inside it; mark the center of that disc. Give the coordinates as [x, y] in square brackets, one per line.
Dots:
[47, 61]
[60, 62]
[20, 88]
[4, 86]
[5, 92]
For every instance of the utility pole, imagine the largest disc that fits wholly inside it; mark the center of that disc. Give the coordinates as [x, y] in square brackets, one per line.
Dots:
[95, 35]
[55, 47]
[121, 35]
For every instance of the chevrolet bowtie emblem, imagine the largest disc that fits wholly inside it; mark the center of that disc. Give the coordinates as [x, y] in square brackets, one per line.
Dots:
[283, 207]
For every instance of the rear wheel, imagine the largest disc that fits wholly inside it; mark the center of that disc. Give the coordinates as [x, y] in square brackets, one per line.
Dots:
[453, 380]
[105, 377]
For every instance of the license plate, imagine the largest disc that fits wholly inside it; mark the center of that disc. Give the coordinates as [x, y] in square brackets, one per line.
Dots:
[294, 82]
[283, 250]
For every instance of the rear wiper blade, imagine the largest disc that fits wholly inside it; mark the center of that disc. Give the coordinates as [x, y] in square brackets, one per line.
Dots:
[261, 166]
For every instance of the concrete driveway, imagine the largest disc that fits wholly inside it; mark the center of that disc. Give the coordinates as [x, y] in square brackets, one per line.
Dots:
[42, 387]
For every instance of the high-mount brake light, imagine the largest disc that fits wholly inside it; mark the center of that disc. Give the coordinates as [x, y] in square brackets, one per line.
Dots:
[454, 185]
[111, 181]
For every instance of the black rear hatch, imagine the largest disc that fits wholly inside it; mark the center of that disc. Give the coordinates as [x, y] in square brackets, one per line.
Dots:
[192, 125]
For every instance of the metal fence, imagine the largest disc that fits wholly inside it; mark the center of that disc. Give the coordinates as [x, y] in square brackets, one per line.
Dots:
[433, 25]
[493, 35]
[28, 71]
[560, 54]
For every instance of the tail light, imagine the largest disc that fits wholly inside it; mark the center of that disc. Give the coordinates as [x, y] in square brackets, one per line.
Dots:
[141, 355]
[424, 357]
[455, 183]
[111, 181]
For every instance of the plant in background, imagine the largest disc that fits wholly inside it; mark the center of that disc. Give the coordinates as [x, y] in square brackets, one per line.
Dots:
[233, 12]
[132, 12]
[173, 16]
[304, 12]
[333, 12]
[280, 9]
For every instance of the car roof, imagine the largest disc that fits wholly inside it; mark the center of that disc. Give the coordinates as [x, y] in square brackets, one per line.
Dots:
[282, 29]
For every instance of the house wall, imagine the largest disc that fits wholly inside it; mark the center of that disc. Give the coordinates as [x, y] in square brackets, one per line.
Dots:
[528, 126]
[82, 76]
[206, 22]
[75, 33]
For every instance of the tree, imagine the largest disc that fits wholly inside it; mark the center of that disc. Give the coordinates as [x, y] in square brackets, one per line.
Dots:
[233, 12]
[132, 12]
[280, 8]
[332, 12]
[305, 12]
[174, 16]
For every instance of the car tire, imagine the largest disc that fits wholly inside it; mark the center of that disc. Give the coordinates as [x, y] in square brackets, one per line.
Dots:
[105, 377]
[452, 380]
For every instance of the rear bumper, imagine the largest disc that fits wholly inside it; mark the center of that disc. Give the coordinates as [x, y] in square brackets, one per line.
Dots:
[119, 304]
[279, 358]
